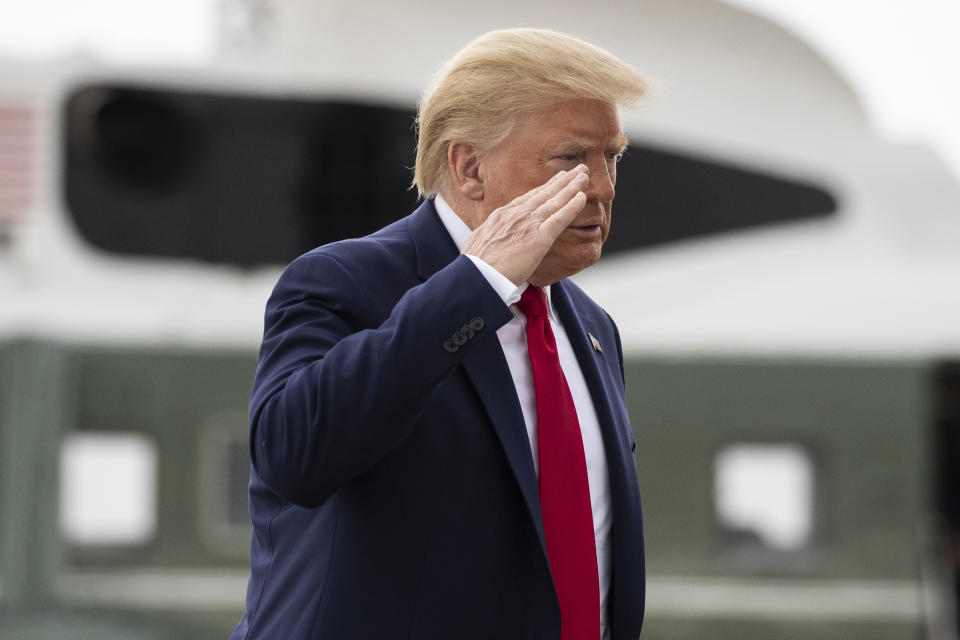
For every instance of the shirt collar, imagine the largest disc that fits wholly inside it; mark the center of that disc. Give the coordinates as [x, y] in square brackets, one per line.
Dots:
[454, 224]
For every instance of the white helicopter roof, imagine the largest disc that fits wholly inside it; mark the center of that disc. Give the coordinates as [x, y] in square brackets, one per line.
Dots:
[876, 279]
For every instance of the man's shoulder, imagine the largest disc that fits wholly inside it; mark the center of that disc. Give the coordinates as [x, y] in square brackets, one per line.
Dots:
[387, 249]
[381, 266]
[390, 243]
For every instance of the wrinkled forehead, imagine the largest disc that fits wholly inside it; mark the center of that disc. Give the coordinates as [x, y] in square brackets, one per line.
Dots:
[580, 122]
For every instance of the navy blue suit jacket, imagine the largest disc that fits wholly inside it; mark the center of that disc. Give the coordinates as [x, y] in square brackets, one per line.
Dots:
[392, 490]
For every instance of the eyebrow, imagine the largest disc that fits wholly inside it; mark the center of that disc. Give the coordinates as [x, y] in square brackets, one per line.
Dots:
[619, 142]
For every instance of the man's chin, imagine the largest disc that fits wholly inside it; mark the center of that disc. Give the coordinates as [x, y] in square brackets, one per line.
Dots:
[554, 268]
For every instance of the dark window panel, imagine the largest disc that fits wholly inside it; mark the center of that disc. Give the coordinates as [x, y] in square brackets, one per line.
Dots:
[230, 179]
[257, 180]
[664, 196]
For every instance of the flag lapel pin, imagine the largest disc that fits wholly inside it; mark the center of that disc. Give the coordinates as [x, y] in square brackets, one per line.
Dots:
[595, 343]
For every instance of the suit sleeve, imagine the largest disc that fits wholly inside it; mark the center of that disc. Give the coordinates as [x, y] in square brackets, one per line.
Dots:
[332, 398]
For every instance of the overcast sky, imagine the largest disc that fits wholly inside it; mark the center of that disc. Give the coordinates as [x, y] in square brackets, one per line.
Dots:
[901, 57]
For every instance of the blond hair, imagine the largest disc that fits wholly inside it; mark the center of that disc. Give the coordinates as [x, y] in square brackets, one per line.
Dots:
[478, 94]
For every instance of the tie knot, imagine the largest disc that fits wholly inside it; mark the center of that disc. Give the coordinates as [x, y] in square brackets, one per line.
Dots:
[533, 302]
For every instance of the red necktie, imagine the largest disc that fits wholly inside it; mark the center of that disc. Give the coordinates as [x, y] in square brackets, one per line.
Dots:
[564, 490]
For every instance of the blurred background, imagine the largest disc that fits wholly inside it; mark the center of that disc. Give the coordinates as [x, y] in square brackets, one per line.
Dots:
[783, 268]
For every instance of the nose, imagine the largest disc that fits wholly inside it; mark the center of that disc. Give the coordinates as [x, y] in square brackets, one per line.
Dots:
[603, 177]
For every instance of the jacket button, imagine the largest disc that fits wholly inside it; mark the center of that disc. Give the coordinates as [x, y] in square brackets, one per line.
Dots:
[450, 346]
[476, 323]
[467, 331]
[459, 339]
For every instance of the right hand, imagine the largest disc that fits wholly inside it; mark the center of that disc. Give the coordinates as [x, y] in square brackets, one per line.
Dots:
[515, 237]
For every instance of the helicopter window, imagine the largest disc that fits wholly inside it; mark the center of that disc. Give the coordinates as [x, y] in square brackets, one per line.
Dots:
[764, 497]
[230, 179]
[108, 489]
[253, 180]
[225, 472]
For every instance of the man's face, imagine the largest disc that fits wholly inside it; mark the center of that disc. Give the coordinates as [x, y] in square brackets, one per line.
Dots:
[550, 140]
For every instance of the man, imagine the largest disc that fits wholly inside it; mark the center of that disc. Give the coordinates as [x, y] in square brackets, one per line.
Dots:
[438, 431]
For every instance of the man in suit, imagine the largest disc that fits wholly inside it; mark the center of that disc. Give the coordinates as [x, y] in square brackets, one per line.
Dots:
[438, 430]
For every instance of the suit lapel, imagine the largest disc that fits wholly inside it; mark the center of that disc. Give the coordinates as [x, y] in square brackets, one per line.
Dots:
[487, 369]
[486, 366]
[602, 389]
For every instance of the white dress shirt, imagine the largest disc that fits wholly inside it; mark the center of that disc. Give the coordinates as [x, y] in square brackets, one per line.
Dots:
[513, 341]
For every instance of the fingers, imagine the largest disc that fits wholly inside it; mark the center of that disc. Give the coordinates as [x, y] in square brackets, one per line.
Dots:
[559, 210]
[560, 219]
[554, 188]
[554, 204]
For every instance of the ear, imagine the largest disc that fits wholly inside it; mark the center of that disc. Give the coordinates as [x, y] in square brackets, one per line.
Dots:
[464, 161]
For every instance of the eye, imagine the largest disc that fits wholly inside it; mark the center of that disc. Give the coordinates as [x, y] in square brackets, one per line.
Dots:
[569, 157]
[614, 156]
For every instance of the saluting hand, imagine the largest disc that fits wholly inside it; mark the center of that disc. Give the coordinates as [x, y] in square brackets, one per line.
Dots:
[515, 237]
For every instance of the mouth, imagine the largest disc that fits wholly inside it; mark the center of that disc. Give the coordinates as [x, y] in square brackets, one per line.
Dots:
[585, 231]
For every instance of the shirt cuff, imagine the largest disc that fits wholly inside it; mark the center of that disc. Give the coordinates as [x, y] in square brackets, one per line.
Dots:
[508, 292]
